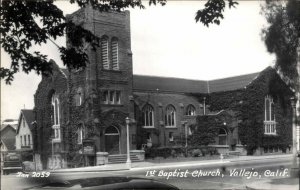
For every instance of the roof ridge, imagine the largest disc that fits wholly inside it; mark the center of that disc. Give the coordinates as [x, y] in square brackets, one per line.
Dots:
[166, 77]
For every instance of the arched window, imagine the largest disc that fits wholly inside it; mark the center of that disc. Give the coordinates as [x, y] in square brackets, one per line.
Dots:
[112, 130]
[222, 137]
[56, 116]
[55, 104]
[115, 54]
[190, 110]
[80, 133]
[104, 52]
[269, 122]
[170, 116]
[148, 116]
[78, 97]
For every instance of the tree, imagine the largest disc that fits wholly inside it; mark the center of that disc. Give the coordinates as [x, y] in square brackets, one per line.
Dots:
[282, 37]
[27, 23]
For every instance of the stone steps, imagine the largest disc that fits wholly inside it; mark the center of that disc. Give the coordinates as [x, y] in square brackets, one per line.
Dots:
[121, 158]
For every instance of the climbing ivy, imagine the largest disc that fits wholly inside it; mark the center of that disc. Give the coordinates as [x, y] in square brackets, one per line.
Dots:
[248, 104]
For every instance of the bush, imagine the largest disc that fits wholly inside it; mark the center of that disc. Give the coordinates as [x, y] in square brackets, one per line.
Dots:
[196, 153]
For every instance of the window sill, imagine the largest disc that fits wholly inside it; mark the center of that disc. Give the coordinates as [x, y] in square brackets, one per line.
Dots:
[271, 134]
[148, 127]
[111, 70]
[170, 127]
[56, 140]
[115, 105]
[55, 126]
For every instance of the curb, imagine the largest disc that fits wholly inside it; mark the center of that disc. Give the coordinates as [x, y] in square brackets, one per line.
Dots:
[90, 171]
[181, 165]
[280, 157]
[211, 162]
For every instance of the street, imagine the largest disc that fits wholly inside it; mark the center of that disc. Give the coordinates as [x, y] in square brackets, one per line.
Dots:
[232, 175]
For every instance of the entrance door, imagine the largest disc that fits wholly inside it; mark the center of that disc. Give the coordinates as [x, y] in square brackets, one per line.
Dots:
[112, 140]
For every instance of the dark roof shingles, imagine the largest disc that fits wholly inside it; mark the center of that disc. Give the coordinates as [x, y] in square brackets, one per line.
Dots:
[231, 83]
[9, 143]
[29, 117]
[152, 83]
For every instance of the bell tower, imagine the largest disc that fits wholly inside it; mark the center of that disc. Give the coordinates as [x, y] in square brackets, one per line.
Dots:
[108, 75]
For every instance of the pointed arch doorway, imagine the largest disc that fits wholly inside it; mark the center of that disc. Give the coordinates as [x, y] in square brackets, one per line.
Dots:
[112, 140]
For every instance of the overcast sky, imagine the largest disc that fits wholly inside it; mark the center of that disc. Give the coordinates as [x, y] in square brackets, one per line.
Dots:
[166, 41]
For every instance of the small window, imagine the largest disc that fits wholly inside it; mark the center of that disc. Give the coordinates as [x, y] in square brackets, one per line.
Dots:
[171, 138]
[190, 110]
[78, 97]
[25, 140]
[118, 97]
[80, 134]
[105, 97]
[190, 131]
[111, 97]
[21, 140]
[222, 137]
[29, 143]
[149, 139]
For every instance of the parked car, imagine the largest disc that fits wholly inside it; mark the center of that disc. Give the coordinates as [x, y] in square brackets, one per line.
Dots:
[12, 163]
[107, 183]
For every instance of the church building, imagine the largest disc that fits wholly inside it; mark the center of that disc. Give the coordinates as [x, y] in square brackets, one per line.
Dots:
[81, 114]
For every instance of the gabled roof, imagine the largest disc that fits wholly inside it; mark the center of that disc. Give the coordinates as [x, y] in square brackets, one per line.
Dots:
[13, 123]
[13, 126]
[29, 118]
[231, 83]
[9, 143]
[168, 84]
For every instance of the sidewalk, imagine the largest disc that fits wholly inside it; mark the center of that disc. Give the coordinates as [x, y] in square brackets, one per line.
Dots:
[275, 184]
[157, 164]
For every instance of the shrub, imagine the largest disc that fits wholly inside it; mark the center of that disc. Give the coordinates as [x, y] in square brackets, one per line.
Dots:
[196, 153]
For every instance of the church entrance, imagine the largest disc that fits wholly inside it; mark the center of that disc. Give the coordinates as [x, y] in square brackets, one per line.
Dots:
[112, 140]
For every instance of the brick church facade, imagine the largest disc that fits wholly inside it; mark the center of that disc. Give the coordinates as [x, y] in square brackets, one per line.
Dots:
[80, 113]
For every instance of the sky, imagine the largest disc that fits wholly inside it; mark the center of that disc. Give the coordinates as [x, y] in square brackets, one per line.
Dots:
[166, 41]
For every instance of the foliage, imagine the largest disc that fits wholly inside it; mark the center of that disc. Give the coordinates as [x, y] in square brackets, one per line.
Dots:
[204, 131]
[281, 36]
[251, 130]
[28, 23]
[213, 11]
[248, 107]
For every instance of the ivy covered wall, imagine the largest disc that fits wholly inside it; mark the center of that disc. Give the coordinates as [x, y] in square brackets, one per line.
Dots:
[249, 105]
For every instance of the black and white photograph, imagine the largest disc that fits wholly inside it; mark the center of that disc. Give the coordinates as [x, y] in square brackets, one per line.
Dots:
[150, 94]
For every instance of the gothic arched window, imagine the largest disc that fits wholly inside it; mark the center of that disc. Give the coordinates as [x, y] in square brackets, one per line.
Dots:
[190, 110]
[170, 116]
[148, 116]
[269, 122]
[56, 116]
